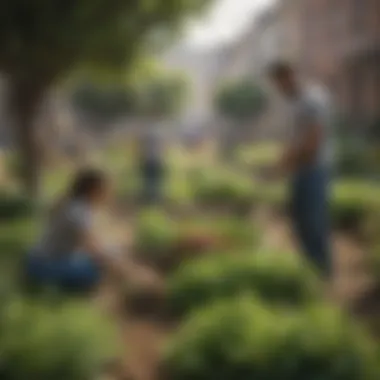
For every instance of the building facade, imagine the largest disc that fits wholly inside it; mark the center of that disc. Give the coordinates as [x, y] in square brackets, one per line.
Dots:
[338, 42]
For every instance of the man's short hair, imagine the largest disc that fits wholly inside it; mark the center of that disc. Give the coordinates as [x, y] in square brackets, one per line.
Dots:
[280, 68]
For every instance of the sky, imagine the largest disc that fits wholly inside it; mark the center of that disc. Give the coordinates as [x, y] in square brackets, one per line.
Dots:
[227, 19]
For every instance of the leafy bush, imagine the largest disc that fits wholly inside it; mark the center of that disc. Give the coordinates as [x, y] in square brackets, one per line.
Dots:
[376, 262]
[165, 242]
[225, 190]
[278, 278]
[242, 339]
[14, 205]
[371, 228]
[156, 237]
[16, 237]
[259, 158]
[222, 233]
[240, 100]
[178, 186]
[273, 194]
[352, 202]
[53, 342]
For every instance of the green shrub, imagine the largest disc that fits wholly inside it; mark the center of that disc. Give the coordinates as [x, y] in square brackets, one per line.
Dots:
[165, 242]
[156, 236]
[273, 195]
[353, 202]
[225, 190]
[16, 237]
[58, 342]
[278, 278]
[225, 232]
[241, 339]
[178, 185]
[14, 205]
[371, 228]
[375, 260]
[263, 156]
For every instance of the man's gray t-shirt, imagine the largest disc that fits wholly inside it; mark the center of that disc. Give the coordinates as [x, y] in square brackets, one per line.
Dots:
[313, 107]
[64, 233]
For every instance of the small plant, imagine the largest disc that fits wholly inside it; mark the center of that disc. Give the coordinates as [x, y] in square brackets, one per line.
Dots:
[16, 237]
[352, 203]
[156, 238]
[222, 233]
[260, 159]
[242, 339]
[375, 261]
[225, 191]
[53, 342]
[277, 278]
[14, 205]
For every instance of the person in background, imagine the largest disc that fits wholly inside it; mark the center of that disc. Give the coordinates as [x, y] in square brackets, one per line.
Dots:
[306, 161]
[152, 168]
[69, 255]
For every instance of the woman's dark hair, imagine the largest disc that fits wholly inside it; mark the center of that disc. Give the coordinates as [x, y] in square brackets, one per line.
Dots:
[85, 182]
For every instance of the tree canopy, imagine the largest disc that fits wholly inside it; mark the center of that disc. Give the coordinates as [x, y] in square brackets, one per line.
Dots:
[50, 37]
[41, 41]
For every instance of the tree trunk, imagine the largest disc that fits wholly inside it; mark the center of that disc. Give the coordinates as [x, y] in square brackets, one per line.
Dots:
[25, 100]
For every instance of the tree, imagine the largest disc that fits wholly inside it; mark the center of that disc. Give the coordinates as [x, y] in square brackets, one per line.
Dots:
[104, 103]
[162, 96]
[41, 41]
[239, 102]
[151, 93]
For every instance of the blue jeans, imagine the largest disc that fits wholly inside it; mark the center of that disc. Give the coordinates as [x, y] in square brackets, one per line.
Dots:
[152, 175]
[71, 273]
[310, 215]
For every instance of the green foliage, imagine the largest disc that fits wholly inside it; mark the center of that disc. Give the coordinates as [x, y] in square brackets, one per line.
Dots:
[274, 194]
[353, 157]
[375, 260]
[226, 232]
[105, 103]
[210, 235]
[16, 237]
[14, 205]
[259, 156]
[50, 37]
[161, 95]
[353, 202]
[278, 278]
[56, 342]
[166, 242]
[241, 100]
[242, 339]
[224, 190]
[156, 236]
[357, 148]
[41, 42]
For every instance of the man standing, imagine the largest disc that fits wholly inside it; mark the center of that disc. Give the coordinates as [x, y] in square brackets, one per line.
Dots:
[306, 161]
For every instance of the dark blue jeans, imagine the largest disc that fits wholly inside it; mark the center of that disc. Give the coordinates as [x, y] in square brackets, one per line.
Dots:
[152, 176]
[310, 215]
[70, 273]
